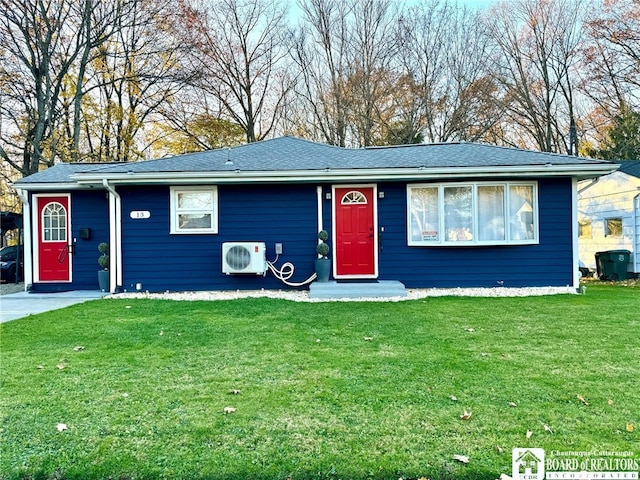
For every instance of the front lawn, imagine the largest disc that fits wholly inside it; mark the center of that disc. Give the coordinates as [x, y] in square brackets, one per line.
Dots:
[326, 390]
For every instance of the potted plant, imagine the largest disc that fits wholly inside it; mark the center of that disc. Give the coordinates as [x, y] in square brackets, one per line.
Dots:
[103, 261]
[323, 265]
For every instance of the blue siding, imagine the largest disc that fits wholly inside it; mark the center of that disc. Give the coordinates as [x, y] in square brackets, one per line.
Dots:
[287, 214]
[270, 214]
[547, 264]
[89, 209]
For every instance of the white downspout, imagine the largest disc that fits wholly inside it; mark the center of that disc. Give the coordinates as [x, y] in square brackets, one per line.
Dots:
[26, 242]
[319, 199]
[574, 236]
[115, 237]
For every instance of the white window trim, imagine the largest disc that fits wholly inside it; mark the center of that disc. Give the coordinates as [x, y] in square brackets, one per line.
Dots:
[174, 211]
[442, 242]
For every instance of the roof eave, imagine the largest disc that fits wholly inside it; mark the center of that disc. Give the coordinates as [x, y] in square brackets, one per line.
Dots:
[52, 186]
[581, 172]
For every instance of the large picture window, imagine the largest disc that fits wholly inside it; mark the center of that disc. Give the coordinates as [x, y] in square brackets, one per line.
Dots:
[472, 214]
[194, 209]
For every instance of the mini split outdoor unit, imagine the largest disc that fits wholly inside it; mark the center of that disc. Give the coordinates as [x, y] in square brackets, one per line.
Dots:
[244, 257]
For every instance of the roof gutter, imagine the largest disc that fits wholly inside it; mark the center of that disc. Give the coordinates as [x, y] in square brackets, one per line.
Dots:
[334, 175]
[52, 187]
[115, 237]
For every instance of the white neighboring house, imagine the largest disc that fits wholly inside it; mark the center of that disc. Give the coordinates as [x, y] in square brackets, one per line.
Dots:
[609, 216]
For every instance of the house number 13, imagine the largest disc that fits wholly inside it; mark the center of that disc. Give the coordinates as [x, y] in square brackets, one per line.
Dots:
[137, 214]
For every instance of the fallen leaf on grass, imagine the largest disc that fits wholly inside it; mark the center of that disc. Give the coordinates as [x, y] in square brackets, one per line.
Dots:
[581, 398]
[79, 348]
[499, 449]
[513, 404]
[547, 429]
[461, 458]
[368, 339]
[629, 427]
[61, 366]
[610, 402]
[466, 415]
[40, 367]
[470, 329]
[234, 392]
[61, 427]
[529, 433]
[161, 333]
[453, 397]
[227, 410]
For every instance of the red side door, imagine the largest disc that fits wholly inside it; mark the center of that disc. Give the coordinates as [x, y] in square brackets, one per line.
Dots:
[54, 261]
[355, 232]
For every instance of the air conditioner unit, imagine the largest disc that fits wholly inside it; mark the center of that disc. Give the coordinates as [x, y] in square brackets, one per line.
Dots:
[244, 257]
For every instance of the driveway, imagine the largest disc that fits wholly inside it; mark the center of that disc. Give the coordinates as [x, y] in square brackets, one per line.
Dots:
[21, 304]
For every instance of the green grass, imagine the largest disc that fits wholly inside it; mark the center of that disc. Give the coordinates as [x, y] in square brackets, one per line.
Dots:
[317, 399]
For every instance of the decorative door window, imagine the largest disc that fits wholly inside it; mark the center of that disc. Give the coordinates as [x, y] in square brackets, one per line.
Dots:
[54, 223]
[353, 197]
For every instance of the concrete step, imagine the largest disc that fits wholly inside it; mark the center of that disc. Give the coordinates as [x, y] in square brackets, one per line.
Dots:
[352, 289]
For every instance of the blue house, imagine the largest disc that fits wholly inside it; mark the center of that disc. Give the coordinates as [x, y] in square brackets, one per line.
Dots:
[440, 215]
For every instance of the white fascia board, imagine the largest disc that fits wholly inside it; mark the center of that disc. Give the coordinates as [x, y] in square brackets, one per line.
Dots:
[53, 187]
[404, 174]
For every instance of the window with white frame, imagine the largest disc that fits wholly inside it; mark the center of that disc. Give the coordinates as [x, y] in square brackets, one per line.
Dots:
[479, 213]
[194, 209]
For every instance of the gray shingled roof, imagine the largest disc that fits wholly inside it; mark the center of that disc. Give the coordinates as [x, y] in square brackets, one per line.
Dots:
[60, 173]
[289, 154]
[630, 167]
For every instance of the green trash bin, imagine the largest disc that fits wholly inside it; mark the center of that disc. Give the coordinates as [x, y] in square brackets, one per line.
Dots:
[612, 264]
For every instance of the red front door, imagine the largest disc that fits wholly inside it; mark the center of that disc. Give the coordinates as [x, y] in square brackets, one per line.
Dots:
[54, 261]
[355, 232]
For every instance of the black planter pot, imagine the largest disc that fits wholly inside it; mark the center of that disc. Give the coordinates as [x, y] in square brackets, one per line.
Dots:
[323, 268]
[103, 280]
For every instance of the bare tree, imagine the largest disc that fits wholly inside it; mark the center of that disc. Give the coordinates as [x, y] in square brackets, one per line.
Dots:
[443, 50]
[371, 52]
[612, 53]
[77, 73]
[537, 52]
[611, 62]
[320, 52]
[41, 40]
[193, 122]
[132, 76]
[239, 50]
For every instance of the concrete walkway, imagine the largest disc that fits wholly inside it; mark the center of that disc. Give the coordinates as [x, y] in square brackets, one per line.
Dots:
[22, 304]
